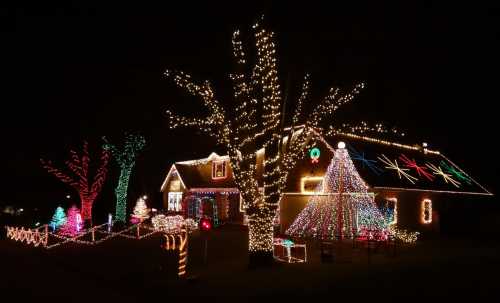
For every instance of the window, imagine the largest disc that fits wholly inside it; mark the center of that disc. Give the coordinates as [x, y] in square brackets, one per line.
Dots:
[310, 185]
[426, 211]
[218, 170]
[174, 201]
[391, 210]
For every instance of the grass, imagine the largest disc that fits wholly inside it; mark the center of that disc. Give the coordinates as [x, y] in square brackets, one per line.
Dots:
[125, 270]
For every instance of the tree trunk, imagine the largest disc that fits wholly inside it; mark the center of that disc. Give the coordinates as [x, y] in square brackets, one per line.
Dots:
[121, 195]
[260, 238]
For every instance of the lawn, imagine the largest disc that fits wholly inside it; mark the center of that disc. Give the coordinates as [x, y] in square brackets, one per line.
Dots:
[126, 270]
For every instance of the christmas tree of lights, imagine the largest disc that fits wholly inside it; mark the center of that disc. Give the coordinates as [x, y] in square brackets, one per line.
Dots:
[141, 211]
[73, 224]
[126, 157]
[342, 205]
[79, 166]
[58, 219]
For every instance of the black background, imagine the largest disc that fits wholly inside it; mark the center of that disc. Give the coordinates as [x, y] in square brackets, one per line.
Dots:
[80, 70]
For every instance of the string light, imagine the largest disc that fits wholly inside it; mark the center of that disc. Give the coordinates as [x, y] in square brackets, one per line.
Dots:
[400, 171]
[30, 236]
[125, 157]
[446, 177]
[456, 173]
[343, 207]
[360, 157]
[58, 219]
[421, 170]
[141, 211]
[179, 241]
[426, 211]
[288, 245]
[244, 133]
[305, 180]
[72, 226]
[79, 166]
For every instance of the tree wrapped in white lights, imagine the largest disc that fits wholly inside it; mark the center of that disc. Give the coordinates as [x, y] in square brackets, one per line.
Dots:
[342, 205]
[141, 210]
[255, 122]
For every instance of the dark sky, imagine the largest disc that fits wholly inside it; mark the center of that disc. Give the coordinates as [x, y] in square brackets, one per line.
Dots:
[83, 70]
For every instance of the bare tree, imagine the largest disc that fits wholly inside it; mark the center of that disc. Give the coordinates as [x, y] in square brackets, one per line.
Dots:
[256, 122]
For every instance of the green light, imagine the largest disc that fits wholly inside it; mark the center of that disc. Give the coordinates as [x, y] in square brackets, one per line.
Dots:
[315, 153]
[125, 157]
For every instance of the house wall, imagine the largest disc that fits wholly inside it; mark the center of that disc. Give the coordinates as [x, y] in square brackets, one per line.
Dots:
[173, 184]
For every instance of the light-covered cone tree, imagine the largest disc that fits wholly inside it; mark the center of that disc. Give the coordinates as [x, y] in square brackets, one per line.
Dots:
[256, 122]
[342, 205]
[58, 219]
[72, 225]
[141, 211]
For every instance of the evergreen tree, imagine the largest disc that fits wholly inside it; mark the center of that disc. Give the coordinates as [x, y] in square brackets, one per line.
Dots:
[58, 219]
[73, 222]
[342, 206]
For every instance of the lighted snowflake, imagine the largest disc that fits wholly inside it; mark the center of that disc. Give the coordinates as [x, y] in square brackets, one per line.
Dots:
[360, 157]
[457, 174]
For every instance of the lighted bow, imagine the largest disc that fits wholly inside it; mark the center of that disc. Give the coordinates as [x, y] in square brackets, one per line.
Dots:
[399, 170]
[447, 177]
[360, 157]
[457, 174]
[421, 170]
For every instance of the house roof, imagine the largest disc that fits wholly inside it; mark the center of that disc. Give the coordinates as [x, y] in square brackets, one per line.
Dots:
[382, 164]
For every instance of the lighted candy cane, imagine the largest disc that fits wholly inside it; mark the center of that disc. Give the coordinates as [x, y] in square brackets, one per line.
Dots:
[170, 244]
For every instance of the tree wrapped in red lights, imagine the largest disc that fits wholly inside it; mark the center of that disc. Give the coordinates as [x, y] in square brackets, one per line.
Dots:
[73, 224]
[342, 206]
[255, 121]
[79, 166]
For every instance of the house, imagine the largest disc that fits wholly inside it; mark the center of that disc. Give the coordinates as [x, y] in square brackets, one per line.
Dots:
[411, 180]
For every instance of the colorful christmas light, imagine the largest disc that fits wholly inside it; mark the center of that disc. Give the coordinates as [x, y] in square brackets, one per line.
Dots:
[125, 157]
[245, 132]
[446, 177]
[58, 219]
[73, 222]
[421, 170]
[400, 171]
[360, 157]
[79, 166]
[343, 206]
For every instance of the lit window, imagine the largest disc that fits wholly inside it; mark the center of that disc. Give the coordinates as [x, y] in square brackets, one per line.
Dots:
[426, 211]
[391, 210]
[174, 201]
[175, 185]
[218, 169]
[310, 185]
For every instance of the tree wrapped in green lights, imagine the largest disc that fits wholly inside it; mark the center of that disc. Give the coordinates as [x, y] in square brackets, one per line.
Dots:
[255, 122]
[125, 156]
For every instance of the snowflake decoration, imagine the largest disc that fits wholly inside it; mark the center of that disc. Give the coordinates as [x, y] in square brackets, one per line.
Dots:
[447, 177]
[457, 174]
[421, 170]
[360, 157]
[399, 170]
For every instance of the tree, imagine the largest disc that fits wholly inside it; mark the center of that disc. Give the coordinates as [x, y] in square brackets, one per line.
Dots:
[141, 211]
[58, 219]
[73, 223]
[125, 157]
[342, 206]
[79, 166]
[257, 122]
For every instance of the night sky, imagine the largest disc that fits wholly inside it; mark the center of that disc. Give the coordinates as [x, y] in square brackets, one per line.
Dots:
[80, 71]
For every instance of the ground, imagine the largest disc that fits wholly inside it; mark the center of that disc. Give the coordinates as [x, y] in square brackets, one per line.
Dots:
[127, 270]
